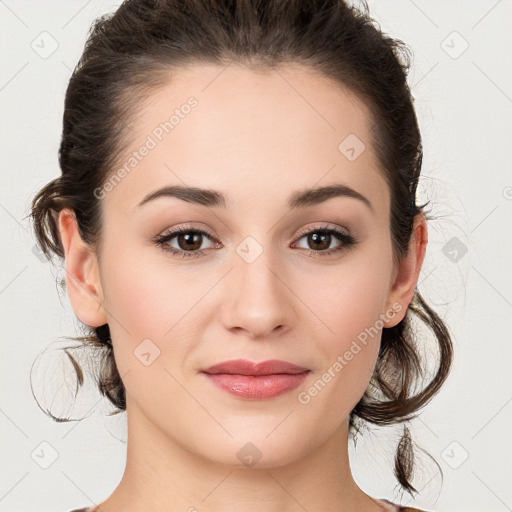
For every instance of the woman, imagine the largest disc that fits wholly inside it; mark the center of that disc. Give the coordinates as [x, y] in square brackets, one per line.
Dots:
[241, 238]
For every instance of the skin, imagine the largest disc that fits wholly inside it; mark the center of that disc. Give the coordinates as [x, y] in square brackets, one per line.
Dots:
[256, 138]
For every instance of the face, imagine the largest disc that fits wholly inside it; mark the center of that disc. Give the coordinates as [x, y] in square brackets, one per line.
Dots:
[255, 277]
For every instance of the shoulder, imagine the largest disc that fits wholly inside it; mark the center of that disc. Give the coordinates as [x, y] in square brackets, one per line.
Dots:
[393, 507]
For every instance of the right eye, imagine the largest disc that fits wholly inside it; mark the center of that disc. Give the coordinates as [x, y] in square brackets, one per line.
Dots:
[188, 239]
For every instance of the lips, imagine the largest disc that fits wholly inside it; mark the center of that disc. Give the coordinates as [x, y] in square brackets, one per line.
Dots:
[245, 367]
[256, 381]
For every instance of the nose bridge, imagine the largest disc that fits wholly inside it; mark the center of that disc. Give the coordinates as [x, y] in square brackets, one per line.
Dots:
[258, 300]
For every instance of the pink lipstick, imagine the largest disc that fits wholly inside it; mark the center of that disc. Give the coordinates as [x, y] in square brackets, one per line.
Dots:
[256, 381]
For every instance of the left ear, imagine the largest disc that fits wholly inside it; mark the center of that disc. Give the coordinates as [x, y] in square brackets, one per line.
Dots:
[407, 272]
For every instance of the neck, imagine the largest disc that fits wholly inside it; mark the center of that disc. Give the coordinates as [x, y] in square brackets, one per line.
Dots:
[161, 475]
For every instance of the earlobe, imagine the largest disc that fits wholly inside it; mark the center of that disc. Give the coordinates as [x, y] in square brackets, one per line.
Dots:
[82, 272]
[407, 273]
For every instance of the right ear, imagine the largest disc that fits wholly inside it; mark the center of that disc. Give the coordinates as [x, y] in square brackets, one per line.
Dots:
[82, 272]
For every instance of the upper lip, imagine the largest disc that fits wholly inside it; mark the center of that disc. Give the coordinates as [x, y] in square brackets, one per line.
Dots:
[245, 367]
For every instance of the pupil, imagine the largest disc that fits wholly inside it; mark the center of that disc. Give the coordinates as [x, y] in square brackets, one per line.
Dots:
[322, 237]
[189, 239]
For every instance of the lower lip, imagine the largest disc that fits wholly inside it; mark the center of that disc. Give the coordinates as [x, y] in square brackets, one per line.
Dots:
[258, 387]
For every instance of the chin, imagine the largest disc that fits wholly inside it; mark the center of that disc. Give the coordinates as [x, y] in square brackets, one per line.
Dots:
[258, 451]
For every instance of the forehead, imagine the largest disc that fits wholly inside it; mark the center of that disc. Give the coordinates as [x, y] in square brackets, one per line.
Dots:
[230, 128]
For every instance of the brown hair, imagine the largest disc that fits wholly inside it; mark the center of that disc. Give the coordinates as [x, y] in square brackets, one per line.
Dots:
[130, 53]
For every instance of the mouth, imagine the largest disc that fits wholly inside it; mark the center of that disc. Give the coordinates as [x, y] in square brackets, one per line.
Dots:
[256, 381]
[245, 367]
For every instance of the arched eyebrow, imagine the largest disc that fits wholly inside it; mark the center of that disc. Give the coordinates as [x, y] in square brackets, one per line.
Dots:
[215, 199]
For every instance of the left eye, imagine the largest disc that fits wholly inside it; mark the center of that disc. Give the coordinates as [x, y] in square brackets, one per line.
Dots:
[190, 240]
[321, 238]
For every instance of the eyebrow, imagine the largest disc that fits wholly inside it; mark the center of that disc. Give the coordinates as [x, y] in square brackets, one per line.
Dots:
[213, 198]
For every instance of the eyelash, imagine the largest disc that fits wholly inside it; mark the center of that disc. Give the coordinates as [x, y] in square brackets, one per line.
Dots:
[346, 239]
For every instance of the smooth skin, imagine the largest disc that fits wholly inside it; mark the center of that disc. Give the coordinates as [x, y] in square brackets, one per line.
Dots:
[256, 138]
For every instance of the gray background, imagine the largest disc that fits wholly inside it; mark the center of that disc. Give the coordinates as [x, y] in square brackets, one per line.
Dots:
[464, 104]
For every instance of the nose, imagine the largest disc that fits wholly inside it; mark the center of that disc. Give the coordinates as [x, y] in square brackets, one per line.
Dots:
[258, 300]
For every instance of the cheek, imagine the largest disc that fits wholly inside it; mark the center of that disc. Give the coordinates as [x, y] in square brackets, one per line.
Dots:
[146, 294]
[154, 308]
[347, 302]
[133, 299]
[349, 346]
[349, 297]
[148, 322]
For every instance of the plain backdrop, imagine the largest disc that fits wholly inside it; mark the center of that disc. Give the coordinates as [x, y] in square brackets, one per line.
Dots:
[461, 80]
